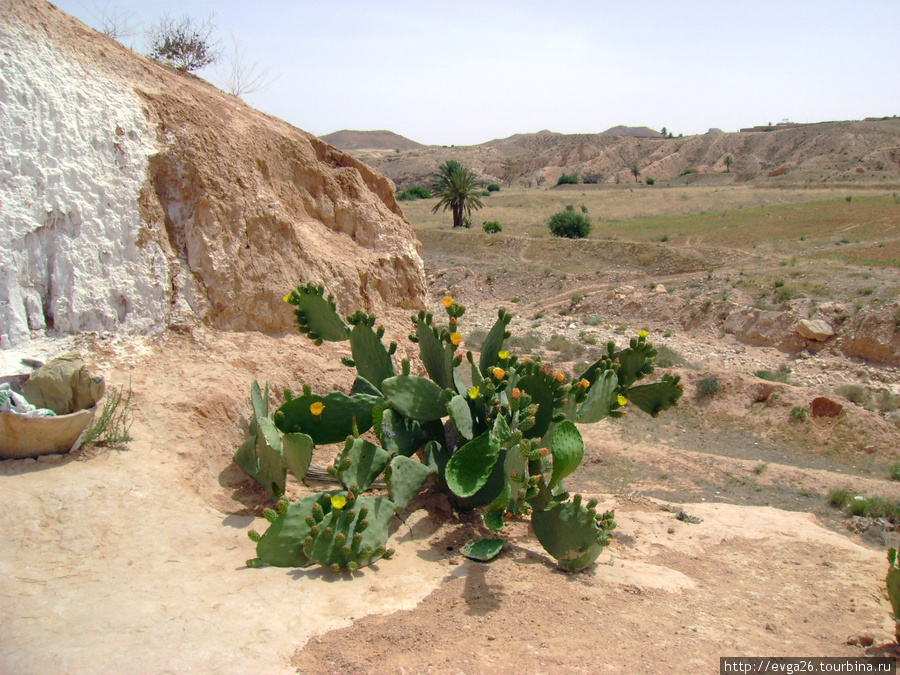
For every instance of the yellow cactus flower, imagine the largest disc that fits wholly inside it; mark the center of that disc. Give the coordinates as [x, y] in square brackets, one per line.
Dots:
[317, 408]
[287, 298]
[338, 502]
[498, 373]
[584, 383]
[447, 301]
[455, 338]
[622, 400]
[473, 393]
[643, 333]
[503, 355]
[560, 377]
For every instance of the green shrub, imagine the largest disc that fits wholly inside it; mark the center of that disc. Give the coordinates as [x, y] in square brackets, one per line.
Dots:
[483, 193]
[708, 386]
[412, 194]
[800, 413]
[780, 375]
[839, 497]
[859, 506]
[570, 224]
[113, 424]
[894, 471]
[568, 179]
[650, 181]
[493, 187]
[491, 226]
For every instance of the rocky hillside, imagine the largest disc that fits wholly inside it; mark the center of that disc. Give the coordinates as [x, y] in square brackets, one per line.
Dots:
[136, 197]
[855, 152]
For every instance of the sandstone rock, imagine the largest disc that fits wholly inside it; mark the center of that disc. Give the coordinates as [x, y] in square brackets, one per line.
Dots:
[660, 289]
[763, 327]
[825, 407]
[815, 329]
[875, 335]
[158, 200]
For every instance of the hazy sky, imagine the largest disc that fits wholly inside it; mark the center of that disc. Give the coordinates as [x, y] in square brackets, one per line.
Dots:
[461, 72]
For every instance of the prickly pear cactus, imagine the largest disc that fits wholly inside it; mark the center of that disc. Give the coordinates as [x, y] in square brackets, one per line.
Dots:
[573, 533]
[497, 433]
[893, 586]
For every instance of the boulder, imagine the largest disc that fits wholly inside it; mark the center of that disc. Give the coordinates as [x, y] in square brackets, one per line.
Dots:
[814, 329]
[825, 407]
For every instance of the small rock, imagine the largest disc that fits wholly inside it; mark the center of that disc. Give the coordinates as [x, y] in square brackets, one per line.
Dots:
[660, 289]
[671, 530]
[814, 329]
[804, 355]
[825, 407]
[864, 640]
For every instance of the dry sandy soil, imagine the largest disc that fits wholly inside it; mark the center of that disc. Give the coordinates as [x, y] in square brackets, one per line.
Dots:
[132, 559]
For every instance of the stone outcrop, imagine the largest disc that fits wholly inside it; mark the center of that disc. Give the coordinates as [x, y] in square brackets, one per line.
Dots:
[876, 335]
[133, 197]
[764, 327]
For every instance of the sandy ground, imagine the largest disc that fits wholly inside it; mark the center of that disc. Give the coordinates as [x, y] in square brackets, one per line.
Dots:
[133, 560]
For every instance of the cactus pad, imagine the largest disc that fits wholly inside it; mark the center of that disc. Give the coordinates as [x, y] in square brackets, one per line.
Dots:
[317, 316]
[572, 533]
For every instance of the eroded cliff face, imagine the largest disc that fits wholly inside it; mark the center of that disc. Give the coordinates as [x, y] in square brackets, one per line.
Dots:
[133, 197]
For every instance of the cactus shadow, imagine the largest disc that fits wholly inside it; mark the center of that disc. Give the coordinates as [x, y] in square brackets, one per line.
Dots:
[329, 577]
[243, 490]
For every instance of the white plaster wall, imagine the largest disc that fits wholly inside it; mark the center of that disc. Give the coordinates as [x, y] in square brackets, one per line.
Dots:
[74, 148]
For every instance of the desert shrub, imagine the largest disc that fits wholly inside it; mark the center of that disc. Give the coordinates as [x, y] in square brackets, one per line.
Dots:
[848, 199]
[528, 342]
[650, 181]
[112, 426]
[880, 507]
[566, 348]
[568, 179]
[780, 375]
[894, 471]
[493, 187]
[839, 497]
[708, 386]
[491, 226]
[570, 224]
[855, 394]
[800, 413]
[858, 506]
[667, 357]
[887, 402]
[483, 193]
[414, 193]
[686, 172]
[595, 320]
[183, 43]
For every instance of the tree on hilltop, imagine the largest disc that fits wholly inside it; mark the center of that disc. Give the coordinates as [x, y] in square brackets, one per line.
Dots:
[456, 188]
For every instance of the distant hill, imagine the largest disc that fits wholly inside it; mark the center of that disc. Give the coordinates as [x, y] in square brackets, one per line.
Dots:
[866, 151]
[634, 132]
[370, 140]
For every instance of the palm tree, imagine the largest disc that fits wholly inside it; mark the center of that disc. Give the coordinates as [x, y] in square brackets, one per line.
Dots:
[455, 186]
[635, 171]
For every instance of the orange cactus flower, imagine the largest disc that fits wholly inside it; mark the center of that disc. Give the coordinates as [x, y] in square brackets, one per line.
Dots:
[498, 373]
[560, 377]
[516, 393]
[447, 301]
[317, 408]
